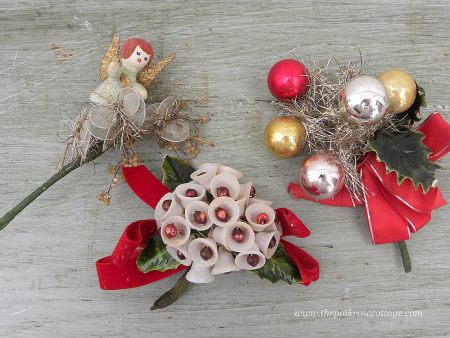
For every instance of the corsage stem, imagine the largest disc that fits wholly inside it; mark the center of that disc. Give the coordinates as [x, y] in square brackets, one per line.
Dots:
[93, 153]
[405, 256]
[169, 297]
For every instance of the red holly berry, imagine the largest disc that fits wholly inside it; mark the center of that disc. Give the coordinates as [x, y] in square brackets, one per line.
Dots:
[200, 217]
[222, 191]
[262, 218]
[166, 204]
[252, 260]
[238, 234]
[170, 230]
[206, 253]
[180, 255]
[252, 192]
[191, 193]
[272, 242]
[222, 214]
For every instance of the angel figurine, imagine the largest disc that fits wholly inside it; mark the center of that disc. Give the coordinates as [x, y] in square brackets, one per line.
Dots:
[127, 66]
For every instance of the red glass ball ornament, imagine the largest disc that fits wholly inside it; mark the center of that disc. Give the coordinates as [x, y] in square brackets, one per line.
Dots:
[191, 193]
[252, 260]
[222, 214]
[222, 191]
[166, 205]
[288, 79]
[238, 234]
[170, 230]
[200, 217]
[262, 218]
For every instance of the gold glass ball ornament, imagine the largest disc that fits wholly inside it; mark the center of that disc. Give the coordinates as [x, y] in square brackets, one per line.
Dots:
[401, 89]
[365, 100]
[285, 136]
[321, 176]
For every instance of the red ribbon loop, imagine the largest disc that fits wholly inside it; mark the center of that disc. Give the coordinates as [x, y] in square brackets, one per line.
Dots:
[307, 265]
[437, 135]
[394, 211]
[119, 271]
[144, 184]
[291, 225]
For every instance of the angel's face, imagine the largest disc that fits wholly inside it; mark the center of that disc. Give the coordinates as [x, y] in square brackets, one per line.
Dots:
[137, 60]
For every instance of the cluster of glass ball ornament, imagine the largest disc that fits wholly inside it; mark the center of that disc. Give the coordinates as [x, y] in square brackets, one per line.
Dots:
[215, 225]
[364, 100]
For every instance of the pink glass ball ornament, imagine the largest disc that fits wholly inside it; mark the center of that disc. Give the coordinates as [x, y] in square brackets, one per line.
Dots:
[321, 176]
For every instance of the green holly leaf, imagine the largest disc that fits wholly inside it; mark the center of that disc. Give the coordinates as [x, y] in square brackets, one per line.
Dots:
[279, 267]
[405, 153]
[155, 257]
[175, 172]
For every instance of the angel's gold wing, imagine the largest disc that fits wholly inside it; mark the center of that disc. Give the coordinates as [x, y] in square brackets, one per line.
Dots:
[111, 54]
[147, 76]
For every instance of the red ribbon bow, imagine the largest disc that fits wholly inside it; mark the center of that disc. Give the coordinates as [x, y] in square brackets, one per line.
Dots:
[394, 211]
[119, 271]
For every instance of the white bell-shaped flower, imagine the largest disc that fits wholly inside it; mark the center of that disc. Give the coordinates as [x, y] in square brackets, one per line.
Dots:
[205, 175]
[238, 237]
[224, 211]
[258, 200]
[166, 207]
[267, 242]
[225, 262]
[181, 254]
[175, 231]
[244, 196]
[199, 274]
[189, 192]
[251, 259]
[228, 170]
[225, 184]
[203, 252]
[196, 213]
[260, 216]
[204, 165]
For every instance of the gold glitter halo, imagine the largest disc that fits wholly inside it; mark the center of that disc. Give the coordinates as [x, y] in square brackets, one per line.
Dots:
[111, 54]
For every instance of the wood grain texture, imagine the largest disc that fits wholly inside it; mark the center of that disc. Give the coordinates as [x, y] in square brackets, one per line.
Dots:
[49, 64]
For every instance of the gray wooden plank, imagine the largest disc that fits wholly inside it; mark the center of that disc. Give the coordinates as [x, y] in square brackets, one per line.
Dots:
[47, 277]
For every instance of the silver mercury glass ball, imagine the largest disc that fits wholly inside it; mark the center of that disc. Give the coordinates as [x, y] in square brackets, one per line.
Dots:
[365, 100]
[321, 176]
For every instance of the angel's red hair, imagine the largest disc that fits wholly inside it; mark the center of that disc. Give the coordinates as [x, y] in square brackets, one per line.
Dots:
[130, 45]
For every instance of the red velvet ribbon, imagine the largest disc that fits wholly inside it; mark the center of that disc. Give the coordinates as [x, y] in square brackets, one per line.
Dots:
[394, 211]
[119, 270]
[144, 184]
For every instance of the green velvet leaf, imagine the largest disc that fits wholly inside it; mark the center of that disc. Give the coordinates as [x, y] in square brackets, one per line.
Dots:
[405, 153]
[279, 267]
[175, 172]
[169, 297]
[155, 257]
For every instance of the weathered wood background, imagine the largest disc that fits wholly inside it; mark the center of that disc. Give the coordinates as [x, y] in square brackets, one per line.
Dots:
[49, 57]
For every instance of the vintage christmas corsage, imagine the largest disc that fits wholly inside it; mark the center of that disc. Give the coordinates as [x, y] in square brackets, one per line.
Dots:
[363, 147]
[208, 223]
[117, 115]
